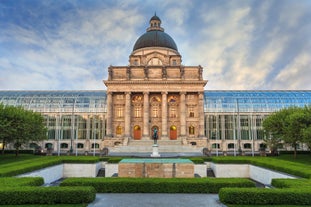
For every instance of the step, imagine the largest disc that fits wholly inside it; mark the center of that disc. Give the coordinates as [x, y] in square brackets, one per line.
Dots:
[162, 148]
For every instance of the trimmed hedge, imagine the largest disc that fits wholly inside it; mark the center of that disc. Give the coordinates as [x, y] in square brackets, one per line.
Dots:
[44, 195]
[263, 196]
[291, 183]
[24, 166]
[158, 185]
[23, 151]
[23, 181]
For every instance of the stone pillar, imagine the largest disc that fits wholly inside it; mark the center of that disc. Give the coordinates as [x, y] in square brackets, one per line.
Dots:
[183, 114]
[109, 115]
[127, 115]
[201, 114]
[146, 116]
[164, 115]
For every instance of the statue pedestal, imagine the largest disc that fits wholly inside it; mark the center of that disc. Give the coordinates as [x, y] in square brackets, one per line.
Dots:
[155, 151]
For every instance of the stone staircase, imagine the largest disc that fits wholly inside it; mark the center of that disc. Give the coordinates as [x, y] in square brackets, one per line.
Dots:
[144, 146]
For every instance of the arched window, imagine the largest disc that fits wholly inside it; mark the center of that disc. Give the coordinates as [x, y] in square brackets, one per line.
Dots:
[230, 146]
[49, 145]
[119, 130]
[191, 130]
[80, 145]
[155, 61]
[96, 145]
[64, 145]
[33, 145]
[215, 146]
[247, 146]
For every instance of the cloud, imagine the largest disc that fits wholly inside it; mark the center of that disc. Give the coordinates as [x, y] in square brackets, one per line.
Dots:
[65, 45]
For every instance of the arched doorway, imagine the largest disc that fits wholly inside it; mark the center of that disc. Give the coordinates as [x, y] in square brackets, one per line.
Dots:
[173, 132]
[137, 132]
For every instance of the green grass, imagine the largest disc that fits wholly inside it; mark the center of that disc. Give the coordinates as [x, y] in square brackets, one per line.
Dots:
[54, 205]
[263, 205]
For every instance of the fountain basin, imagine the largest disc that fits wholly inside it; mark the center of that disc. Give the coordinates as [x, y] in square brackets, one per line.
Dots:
[156, 168]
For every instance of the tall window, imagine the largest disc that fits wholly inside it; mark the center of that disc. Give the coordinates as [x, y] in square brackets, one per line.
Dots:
[137, 112]
[191, 130]
[155, 111]
[191, 111]
[119, 112]
[173, 112]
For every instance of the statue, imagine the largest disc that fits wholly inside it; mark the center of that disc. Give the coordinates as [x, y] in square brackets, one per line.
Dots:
[155, 135]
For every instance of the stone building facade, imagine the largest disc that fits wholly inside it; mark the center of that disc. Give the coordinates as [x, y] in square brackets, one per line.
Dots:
[155, 91]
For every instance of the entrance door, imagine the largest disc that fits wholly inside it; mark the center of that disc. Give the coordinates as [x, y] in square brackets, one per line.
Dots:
[173, 132]
[137, 132]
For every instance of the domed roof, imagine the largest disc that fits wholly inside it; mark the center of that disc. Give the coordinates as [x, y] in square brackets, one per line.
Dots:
[155, 37]
[155, 17]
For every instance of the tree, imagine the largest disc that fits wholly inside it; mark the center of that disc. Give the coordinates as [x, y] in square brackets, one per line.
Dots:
[273, 126]
[20, 126]
[288, 125]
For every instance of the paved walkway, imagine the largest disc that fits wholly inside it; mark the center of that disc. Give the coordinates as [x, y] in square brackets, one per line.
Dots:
[155, 200]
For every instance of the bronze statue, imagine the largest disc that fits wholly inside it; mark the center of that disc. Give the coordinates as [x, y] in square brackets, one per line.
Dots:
[155, 135]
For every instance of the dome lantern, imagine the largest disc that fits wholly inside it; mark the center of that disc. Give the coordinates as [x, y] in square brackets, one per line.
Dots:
[155, 36]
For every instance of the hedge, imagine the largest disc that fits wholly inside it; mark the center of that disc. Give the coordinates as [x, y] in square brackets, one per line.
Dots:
[158, 185]
[263, 196]
[23, 181]
[46, 195]
[24, 166]
[291, 183]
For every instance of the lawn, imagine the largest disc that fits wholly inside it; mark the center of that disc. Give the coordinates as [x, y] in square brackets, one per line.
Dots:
[23, 162]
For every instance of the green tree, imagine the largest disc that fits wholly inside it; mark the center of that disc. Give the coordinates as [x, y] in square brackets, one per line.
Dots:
[21, 126]
[288, 125]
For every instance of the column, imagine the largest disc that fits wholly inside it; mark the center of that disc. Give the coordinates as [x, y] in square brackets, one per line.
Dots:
[201, 114]
[183, 114]
[109, 115]
[146, 116]
[127, 115]
[164, 115]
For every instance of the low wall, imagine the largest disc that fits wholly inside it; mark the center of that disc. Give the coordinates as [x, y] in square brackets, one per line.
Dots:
[111, 169]
[53, 173]
[265, 176]
[81, 170]
[230, 170]
[258, 174]
[49, 174]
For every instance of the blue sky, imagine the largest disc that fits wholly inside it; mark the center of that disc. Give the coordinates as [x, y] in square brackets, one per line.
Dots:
[69, 44]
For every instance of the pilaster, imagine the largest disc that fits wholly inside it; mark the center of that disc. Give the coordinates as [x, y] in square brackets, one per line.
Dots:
[146, 116]
[164, 115]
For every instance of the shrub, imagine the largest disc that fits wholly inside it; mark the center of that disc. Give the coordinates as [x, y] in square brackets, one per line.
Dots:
[158, 185]
[197, 160]
[114, 160]
[291, 183]
[44, 195]
[24, 181]
[262, 196]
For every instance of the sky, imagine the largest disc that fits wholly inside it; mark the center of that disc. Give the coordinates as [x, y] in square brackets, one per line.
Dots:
[241, 44]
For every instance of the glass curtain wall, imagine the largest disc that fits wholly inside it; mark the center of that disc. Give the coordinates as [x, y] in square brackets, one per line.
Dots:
[75, 119]
[235, 117]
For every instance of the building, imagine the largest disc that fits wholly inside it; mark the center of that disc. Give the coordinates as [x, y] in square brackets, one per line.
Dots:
[155, 92]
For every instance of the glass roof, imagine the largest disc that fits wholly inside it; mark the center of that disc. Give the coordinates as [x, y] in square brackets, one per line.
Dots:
[56, 101]
[254, 101]
[214, 101]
